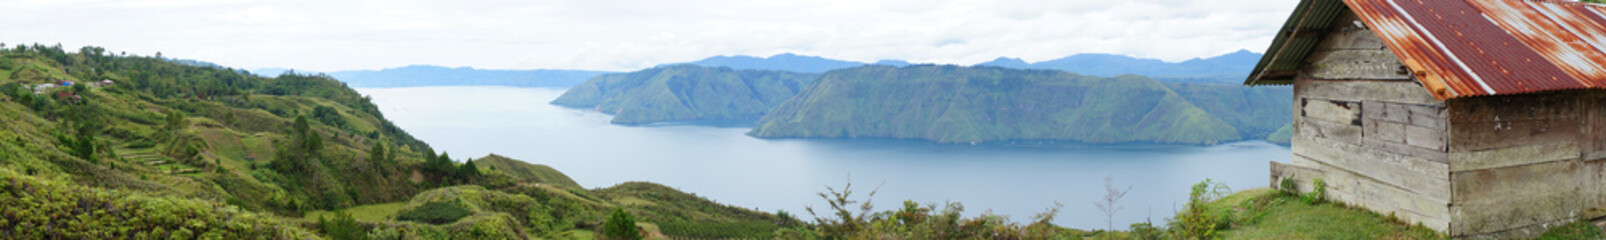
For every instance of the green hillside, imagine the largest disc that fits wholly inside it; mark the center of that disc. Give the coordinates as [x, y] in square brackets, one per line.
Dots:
[1254, 111]
[685, 93]
[165, 150]
[954, 104]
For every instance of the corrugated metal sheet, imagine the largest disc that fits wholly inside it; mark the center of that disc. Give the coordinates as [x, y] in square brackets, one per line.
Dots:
[1286, 50]
[1461, 48]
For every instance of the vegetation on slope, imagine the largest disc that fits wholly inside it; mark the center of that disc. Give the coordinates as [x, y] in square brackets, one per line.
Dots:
[225, 149]
[954, 104]
[526, 172]
[685, 93]
[1254, 111]
[37, 208]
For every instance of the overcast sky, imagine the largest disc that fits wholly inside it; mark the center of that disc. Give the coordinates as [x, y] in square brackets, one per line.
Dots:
[328, 35]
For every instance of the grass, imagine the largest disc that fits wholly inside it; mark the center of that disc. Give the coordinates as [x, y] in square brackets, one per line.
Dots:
[1269, 214]
[368, 213]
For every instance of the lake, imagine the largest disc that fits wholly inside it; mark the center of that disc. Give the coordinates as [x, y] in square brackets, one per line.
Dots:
[725, 165]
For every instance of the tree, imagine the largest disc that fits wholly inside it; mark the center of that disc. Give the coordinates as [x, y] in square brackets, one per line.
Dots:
[84, 145]
[175, 120]
[468, 170]
[620, 225]
[1112, 197]
[377, 159]
[1595, 1]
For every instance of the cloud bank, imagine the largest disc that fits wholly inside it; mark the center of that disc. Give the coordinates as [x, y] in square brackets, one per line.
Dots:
[328, 35]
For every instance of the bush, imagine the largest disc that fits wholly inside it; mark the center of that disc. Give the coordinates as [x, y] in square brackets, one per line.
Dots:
[1199, 220]
[720, 230]
[620, 225]
[1317, 194]
[435, 213]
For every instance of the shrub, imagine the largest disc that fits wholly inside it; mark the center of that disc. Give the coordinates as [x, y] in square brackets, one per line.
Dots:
[620, 225]
[435, 213]
[1317, 194]
[1199, 220]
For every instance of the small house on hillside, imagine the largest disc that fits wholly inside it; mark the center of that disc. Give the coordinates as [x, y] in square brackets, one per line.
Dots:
[1477, 118]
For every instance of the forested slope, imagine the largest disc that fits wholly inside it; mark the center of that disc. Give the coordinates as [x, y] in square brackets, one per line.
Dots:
[978, 104]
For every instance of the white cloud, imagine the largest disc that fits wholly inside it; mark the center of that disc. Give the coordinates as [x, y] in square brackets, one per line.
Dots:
[633, 34]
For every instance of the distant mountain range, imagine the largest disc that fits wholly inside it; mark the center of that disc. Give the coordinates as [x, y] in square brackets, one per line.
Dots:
[425, 75]
[1228, 68]
[686, 93]
[780, 62]
[940, 103]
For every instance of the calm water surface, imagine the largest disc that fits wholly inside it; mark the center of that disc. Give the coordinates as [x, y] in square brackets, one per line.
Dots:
[725, 165]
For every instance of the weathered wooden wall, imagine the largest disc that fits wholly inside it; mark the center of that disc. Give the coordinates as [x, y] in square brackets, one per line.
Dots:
[1376, 138]
[1521, 164]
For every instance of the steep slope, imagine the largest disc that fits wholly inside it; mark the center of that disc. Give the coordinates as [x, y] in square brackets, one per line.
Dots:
[174, 151]
[685, 93]
[1254, 111]
[954, 104]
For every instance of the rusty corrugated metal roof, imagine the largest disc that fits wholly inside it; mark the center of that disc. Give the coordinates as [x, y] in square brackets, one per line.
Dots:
[1460, 48]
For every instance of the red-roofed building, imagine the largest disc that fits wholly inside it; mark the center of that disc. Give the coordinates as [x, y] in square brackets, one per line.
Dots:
[1478, 118]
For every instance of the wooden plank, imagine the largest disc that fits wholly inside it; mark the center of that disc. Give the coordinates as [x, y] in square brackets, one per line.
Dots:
[1359, 190]
[1425, 137]
[1426, 116]
[1330, 130]
[1479, 136]
[1363, 91]
[1407, 150]
[1492, 200]
[1594, 119]
[1594, 191]
[1373, 64]
[1381, 111]
[1522, 107]
[1393, 132]
[1333, 111]
[1420, 176]
[1514, 156]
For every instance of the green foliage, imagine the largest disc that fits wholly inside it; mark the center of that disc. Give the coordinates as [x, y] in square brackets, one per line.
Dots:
[39, 208]
[468, 170]
[1199, 219]
[435, 213]
[328, 116]
[720, 230]
[1595, 1]
[914, 221]
[1318, 194]
[953, 104]
[620, 225]
[343, 227]
[685, 93]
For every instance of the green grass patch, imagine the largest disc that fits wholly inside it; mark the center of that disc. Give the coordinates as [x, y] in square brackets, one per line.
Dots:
[1269, 214]
[367, 213]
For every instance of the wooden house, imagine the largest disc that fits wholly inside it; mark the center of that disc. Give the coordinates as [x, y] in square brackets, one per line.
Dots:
[1477, 118]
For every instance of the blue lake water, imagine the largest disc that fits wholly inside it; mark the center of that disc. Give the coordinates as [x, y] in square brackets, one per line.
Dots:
[727, 166]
